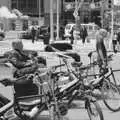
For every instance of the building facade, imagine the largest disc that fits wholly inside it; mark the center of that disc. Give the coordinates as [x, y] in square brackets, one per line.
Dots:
[86, 13]
[39, 12]
[32, 8]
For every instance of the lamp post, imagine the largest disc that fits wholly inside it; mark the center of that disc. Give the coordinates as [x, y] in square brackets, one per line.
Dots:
[57, 38]
[51, 21]
[39, 12]
[102, 12]
[112, 25]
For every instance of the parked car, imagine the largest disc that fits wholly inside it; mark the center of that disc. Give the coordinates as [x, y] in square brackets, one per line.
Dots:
[68, 29]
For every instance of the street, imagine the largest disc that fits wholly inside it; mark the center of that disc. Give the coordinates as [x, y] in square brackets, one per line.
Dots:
[88, 25]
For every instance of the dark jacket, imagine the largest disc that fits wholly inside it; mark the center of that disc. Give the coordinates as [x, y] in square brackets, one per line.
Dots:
[22, 63]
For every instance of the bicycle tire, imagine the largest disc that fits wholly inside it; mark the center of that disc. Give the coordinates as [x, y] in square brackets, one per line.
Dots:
[111, 88]
[98, 111]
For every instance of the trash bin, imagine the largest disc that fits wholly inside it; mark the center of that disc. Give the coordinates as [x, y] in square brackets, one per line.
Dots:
[46, 39]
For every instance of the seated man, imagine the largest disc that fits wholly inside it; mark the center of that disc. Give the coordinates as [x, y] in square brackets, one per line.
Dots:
[24, 65]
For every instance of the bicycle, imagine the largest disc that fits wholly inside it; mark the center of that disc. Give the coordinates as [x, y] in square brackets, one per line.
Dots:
[103, 82]
[75, 88]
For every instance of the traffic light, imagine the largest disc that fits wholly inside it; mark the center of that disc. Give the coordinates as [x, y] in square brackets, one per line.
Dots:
[110, 4]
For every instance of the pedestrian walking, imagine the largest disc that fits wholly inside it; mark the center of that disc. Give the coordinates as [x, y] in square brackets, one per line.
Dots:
[37, 33]
[118, 37]
[83, 34]
[72, 37]
[33, 34]
[114, 42]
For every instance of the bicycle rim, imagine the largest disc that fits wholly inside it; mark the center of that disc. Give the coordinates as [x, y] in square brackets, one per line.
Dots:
[94, 111]
[111, 96]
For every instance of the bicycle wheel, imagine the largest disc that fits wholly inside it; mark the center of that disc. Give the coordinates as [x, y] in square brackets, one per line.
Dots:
[111, 96]
[94, 111]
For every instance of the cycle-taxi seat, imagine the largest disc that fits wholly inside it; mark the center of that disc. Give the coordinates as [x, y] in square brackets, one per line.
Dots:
[76, 64]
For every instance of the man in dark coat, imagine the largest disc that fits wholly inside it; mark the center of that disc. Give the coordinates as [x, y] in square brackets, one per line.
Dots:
[83, 34]
[33, 34]
[118, 37]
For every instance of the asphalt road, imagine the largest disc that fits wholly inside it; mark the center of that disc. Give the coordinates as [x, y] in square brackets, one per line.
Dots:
[74, 113]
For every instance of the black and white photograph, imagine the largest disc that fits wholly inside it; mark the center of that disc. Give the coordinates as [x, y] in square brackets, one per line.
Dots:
[59, 59]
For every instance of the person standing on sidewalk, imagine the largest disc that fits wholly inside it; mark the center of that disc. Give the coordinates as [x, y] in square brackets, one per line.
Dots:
[72, 37]
[114, 42]
[100, 48]
[33, 34]
[83, 34]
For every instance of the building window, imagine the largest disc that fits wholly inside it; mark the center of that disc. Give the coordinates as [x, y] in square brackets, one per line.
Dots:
[87, 0]
[69, 0]
[14, 5]
[42, 7]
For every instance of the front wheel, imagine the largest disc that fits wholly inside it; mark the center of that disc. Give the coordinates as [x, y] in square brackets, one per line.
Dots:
[111, 96]
[94, 111]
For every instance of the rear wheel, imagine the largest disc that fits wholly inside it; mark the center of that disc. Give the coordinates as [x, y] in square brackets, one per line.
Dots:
[94, 111]
[111, 96]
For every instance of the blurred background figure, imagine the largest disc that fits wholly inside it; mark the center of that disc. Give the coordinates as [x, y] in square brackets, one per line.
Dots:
[114, 42]
[33, 34]
[72, 36]
[83, 33]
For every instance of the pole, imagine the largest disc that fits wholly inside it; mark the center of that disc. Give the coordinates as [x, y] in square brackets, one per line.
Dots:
[102, 13]
[39, 12]
[51, 21]
[57, 38]
[76, 6]
[112, 26]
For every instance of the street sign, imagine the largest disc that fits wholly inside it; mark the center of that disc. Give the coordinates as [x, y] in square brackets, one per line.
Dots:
[75, 14]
